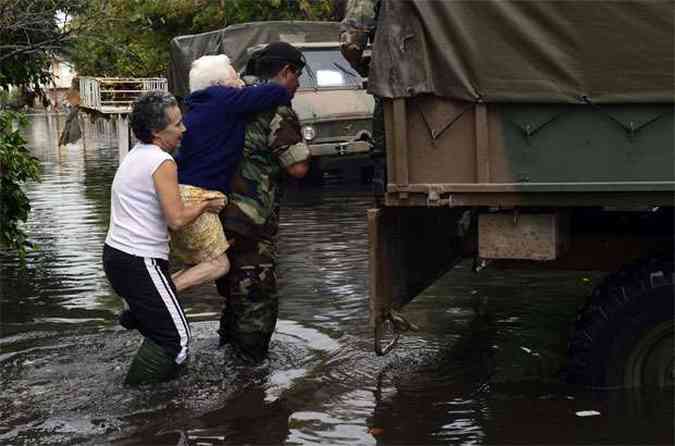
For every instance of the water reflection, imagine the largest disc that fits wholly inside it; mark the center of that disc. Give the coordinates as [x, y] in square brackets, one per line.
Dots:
[63, 279]
[483, 369]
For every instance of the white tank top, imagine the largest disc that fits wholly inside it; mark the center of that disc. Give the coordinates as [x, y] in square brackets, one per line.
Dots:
[137, 223]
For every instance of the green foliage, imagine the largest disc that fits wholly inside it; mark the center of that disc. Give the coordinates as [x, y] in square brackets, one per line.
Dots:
[16, 167]
[10, 99]
[133, 39]
[32, 32]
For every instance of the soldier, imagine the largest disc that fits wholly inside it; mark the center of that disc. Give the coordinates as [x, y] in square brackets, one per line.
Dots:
[357, 28]
[273, 148]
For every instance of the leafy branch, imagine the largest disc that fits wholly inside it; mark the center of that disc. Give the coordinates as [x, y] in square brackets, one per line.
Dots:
[17, 166]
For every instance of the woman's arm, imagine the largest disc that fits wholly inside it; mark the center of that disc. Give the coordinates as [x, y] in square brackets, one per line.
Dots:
[254, 98]
[178, 215]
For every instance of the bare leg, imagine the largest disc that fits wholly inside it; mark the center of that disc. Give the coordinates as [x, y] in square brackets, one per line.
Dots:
[201, 273]
[177, 274]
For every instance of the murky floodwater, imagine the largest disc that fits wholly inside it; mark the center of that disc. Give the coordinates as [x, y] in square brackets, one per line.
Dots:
[483, 369]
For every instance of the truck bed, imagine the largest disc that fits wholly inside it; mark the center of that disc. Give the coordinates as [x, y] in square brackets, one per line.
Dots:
[444, 152]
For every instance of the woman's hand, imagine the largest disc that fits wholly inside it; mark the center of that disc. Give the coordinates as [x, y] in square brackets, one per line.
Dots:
[215, 205]
[176, 214]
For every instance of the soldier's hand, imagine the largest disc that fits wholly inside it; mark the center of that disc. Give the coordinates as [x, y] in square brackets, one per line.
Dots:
[298, 170]
[351, 50]
[352, 53]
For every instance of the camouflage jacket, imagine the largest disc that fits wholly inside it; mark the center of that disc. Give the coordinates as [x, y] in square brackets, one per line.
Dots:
[257, 185]
[359, 22]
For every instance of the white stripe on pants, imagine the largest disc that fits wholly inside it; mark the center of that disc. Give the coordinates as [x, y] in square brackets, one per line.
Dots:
[171, 303]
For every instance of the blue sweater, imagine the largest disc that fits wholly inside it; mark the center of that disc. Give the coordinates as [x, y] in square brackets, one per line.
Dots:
[216, 121]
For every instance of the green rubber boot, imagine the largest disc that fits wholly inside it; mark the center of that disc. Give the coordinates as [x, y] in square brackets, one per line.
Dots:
[151, 365]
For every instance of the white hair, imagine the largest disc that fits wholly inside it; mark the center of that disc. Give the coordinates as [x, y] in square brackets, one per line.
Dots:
[213, 70]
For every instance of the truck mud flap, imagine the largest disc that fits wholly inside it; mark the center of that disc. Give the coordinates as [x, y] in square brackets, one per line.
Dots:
[408, 250]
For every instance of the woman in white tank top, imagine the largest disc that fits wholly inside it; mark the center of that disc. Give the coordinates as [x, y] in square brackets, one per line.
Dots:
[145, 203]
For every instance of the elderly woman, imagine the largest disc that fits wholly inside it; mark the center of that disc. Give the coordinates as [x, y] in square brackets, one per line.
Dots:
[145, 202]
[218, 108]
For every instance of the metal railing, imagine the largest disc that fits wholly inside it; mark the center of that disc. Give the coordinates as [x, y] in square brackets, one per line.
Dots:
[116, 94]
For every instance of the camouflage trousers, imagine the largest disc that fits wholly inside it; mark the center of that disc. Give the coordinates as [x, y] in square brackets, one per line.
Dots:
[251, 304]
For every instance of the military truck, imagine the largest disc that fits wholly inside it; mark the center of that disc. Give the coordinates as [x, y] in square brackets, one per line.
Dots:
[537, 132]
[333, 106]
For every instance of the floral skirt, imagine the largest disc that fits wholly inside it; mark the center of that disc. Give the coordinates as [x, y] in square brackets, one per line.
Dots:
[203, 239]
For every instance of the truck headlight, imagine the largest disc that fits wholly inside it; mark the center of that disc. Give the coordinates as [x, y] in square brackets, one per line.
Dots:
[308, 133]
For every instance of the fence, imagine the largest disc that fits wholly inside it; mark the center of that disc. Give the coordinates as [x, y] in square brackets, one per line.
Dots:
[114, 94]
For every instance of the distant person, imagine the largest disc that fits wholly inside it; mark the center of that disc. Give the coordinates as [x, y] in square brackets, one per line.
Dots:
[71, 129]
[218, 108]
[145, 202]
[273, 149]
[357, 29]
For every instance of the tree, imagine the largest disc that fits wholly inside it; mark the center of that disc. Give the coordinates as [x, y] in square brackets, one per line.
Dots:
[30, 32]
[16, 166]
[137, 33]
[33, 30]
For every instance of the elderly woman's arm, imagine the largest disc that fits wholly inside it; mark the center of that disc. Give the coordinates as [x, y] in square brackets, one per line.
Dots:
[176, 214]
[252, 99]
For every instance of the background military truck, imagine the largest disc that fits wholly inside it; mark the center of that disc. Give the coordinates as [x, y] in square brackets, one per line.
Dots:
[333, 106]
[535, 131]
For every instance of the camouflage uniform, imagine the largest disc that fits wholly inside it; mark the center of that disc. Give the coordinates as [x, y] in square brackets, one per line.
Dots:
[359, 23]
[273, 141]
[357, 27]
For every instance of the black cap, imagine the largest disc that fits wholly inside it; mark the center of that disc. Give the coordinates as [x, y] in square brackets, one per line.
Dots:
[278, 51]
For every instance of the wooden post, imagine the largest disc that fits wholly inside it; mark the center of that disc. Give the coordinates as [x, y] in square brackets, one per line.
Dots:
[122, 136]
[380, 264]
[84, 129]
[408, 250]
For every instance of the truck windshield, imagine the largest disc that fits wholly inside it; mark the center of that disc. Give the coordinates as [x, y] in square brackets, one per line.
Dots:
[326, 68]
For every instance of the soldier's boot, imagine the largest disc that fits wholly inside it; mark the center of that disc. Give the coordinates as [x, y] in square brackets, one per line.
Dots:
[152, 364]
[252, 347]
[252, 322]
[225, 326]
[223, 287]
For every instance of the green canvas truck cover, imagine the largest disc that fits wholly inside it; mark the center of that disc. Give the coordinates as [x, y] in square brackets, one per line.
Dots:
[561, 51]
[235, 40]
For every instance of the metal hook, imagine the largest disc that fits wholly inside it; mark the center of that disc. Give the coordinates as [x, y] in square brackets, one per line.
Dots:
[379, 333]
[398, 324]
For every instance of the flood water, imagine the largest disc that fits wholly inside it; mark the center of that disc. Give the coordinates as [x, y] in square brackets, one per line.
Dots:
[483, 369]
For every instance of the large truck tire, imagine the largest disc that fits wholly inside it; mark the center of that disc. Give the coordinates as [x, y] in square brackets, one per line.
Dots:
[623, 336]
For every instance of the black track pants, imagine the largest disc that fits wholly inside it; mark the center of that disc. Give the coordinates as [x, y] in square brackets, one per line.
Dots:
[146, 286]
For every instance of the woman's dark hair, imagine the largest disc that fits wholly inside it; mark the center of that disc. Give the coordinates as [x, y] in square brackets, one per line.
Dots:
[269, 61]
[149, 113]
